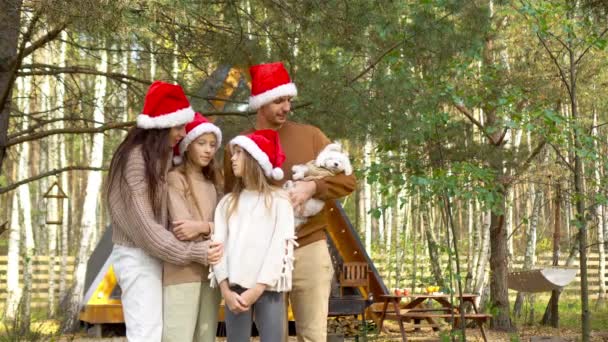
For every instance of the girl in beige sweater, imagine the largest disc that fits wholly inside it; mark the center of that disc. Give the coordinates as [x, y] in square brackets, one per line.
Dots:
[190, 304]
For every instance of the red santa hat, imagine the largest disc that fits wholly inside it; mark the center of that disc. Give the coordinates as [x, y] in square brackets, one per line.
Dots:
[268, 83]
[264, 146]
[194, 129]
[165, 106]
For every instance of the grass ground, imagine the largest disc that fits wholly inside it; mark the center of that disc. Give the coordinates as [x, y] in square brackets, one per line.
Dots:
[569, 311]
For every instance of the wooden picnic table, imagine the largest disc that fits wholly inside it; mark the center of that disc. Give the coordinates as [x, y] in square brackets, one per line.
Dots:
[414, 310]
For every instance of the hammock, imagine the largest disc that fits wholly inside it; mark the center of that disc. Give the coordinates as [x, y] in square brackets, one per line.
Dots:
[542, 279]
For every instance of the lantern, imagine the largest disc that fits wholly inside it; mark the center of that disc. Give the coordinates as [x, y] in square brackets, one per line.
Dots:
[54, 197]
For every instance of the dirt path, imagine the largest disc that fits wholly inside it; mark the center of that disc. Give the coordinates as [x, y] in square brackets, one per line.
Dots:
[473, 335]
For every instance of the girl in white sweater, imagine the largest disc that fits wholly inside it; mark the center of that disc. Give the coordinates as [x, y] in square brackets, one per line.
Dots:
[256, 224]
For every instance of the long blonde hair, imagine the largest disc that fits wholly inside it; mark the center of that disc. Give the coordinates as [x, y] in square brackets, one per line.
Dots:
[253, 178]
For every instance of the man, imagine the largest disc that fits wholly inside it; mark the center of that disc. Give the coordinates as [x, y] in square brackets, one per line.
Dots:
[271, 94]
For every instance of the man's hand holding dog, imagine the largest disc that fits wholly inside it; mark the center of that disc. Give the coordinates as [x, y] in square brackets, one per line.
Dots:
[301, 192]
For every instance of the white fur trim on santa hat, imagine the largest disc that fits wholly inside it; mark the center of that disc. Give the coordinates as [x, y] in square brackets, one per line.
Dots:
[196, 132]
[177, 160]
[179, 117]
[268, 96]
[262, 158]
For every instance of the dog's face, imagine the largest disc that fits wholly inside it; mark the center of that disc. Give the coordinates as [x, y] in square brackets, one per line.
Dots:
[335, 160]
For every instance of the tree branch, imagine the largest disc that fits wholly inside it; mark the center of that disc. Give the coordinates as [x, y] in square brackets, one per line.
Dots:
[559, 68]
[389, 50]
[47, 69]
[464, 110]
[590, 46]
[378, 59]
[110, 126]
[71, 130]
[526, 164]
[48, 174]
[33, 128]
[49, 36]
[13, 65]
[560, 156]
[599, 125]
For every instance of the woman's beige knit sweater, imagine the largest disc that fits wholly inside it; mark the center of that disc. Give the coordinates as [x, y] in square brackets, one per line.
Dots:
[134, 223]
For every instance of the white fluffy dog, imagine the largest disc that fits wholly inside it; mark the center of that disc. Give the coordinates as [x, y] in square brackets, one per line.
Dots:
[330, 161]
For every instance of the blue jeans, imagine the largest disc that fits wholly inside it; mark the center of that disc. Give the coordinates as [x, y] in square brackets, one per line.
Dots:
[268, 312]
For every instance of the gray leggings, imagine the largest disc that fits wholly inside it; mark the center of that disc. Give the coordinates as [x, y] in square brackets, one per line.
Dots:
[269, 316]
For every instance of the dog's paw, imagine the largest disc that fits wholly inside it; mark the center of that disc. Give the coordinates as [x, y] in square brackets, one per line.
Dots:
[299, 171]
[298, 221]
[288, 185]
[312, 207]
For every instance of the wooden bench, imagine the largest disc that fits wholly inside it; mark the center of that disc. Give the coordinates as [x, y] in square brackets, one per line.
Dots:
[478, 318]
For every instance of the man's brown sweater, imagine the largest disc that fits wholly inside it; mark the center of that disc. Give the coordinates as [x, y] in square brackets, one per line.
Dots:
[135, 224]
[302, 143]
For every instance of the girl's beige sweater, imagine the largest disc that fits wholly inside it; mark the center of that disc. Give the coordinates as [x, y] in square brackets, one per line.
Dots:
[191, 197]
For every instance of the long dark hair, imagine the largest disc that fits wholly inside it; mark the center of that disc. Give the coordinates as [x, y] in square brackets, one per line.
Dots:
[156, 153]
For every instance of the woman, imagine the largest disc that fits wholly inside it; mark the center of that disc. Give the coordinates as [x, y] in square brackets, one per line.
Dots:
[137, 202]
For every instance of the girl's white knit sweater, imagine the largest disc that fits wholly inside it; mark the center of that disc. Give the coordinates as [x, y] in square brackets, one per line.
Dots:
[258, 241]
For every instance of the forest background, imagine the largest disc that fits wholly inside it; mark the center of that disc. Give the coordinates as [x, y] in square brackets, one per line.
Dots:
[476, 127]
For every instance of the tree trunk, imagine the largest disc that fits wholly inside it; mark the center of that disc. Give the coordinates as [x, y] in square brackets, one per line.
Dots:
[89, 217]
[510, 219]
[473, 231]
[360, 209]
[175, 68]
[389, 224]
[552, 311]
[64, 181]
[601, 297]
[530, 253]
[579, 200]
[25, 204]
[433, 248]
[10, 22]
[124, 98]
[367, 194]
[389, 241]
[605, 211]
[498, 269]
[482, 259]
[400, 228]
[415, 250]
[52, 163]
[12, 265]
